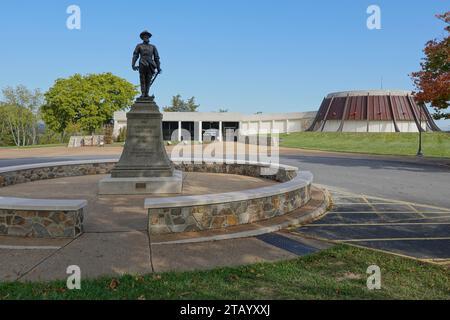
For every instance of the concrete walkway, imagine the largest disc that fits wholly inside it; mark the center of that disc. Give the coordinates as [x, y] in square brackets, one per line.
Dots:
[109, 252]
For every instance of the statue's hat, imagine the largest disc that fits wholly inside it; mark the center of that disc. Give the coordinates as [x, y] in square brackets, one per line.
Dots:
[145, 33]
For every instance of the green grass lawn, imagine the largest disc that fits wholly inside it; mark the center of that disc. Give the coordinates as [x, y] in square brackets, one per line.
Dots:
[435, 144]
[336, 273]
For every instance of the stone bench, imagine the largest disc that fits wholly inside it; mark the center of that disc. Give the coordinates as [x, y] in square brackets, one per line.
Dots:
[41, 218]
[216, 211]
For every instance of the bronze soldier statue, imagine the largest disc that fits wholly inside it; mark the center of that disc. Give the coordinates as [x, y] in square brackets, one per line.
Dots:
[149, 64]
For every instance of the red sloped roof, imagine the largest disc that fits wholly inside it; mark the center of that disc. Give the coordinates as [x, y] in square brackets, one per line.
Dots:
[371, 106]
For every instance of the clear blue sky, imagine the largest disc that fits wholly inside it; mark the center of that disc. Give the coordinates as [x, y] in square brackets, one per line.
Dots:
[242, 55]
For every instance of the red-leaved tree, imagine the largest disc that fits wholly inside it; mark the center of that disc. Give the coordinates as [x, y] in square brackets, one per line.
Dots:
[433, 81]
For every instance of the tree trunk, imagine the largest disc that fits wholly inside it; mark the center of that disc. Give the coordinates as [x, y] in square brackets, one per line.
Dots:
[34, 134]
[13, 134]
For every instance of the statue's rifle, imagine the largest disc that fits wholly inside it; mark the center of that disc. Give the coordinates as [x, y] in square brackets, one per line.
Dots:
[154, 78]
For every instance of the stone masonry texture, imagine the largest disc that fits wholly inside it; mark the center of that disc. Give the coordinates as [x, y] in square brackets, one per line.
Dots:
[41, 224]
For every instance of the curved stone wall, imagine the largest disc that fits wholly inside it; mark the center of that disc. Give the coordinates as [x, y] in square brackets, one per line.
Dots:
[216, 211]
[43, 171]
[57, 218]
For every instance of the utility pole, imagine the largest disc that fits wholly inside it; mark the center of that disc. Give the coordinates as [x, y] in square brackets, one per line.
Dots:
[419, 152]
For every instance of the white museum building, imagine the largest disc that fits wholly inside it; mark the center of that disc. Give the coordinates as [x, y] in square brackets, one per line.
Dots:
[214, 125]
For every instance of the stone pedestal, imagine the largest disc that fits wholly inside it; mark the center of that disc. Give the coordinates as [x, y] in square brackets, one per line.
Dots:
[144, 167]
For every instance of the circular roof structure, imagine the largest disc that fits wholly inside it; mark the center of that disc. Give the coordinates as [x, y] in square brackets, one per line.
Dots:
[396, 107]
[358, 93]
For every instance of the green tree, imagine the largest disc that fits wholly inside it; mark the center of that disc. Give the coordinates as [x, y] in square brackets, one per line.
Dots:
[20, 114]
[18, 122]
[88, 101]
[180, 105]
[5, 134]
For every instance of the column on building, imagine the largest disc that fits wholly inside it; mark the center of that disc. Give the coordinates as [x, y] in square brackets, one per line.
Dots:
[179, 131]
[198, 131]
[220, 131]
[287, 126]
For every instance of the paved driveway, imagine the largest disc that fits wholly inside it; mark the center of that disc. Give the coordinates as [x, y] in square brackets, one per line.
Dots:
[410, 229]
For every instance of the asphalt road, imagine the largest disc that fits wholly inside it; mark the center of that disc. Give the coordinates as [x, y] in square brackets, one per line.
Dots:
[396, 180]
[419, 183]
